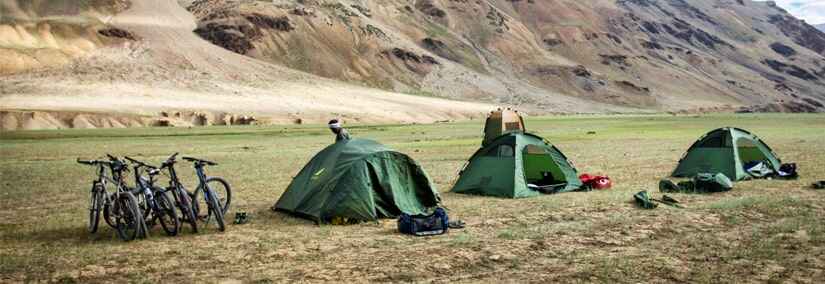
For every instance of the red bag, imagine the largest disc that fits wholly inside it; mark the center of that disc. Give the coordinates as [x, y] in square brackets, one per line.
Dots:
[596, 182]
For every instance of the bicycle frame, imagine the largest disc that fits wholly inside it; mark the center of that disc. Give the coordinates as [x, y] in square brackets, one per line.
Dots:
[202, 182]
[173, 179]
[174, 182]
[103, 179]
[145, 188]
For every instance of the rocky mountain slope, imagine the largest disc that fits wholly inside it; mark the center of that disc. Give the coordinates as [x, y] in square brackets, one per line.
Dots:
[164, 74]
[651, 54]
[160, 62]
[46, 33]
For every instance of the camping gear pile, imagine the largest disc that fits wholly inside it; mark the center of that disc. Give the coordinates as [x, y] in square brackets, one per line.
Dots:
[715, 161]
[701, 183]
[644, 200]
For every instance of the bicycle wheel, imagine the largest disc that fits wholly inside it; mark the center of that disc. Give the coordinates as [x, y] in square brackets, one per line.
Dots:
[167, 216]
[95, 207]
[221, 188]
[215, 210]
[184, 203]
[127, 217]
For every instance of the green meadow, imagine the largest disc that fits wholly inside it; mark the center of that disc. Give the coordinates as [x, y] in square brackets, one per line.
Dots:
[763, 231]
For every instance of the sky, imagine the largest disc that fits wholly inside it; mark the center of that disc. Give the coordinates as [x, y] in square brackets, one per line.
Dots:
[812, 11]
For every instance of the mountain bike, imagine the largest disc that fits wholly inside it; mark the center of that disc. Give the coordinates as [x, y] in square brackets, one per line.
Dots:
[216, 192]
[182, 198]
[119, 208]
[153, 200]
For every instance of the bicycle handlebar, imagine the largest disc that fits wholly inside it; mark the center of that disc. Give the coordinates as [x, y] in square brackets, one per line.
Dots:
[200, 161]
[93, 162]
[116, 164]
[139, 163]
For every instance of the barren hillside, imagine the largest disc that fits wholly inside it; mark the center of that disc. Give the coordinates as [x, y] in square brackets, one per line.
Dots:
[653, 54]
[167, 75]
[231, 62]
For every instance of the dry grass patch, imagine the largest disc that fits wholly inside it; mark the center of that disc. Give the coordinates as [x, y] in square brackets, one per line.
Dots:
[760, 231]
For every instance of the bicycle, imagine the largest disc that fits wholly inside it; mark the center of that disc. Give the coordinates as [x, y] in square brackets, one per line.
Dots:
[216, 193]
[153, 200]
[120, 209]
[181, 196]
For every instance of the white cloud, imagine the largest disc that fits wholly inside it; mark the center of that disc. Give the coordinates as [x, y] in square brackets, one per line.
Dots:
[812, 11]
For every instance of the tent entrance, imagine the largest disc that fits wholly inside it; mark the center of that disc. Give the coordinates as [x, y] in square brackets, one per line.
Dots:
[540, 169]
[749, 151]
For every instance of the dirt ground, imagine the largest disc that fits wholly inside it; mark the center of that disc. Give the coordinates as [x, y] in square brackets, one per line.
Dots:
[762, 231]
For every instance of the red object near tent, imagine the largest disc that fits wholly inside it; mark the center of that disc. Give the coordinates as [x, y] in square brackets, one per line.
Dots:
[596, 182]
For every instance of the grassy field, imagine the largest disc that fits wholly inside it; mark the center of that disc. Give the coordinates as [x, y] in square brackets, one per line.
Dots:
[760, 231]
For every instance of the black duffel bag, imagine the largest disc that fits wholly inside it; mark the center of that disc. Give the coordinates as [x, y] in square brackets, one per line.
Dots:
[424, 225]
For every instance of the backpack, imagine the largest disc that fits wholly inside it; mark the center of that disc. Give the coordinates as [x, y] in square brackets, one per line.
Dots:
[788, 171]
[644, 200]
[705, 182]
[424, 225]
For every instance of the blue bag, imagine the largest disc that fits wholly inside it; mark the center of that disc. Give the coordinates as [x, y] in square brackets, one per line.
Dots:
[424, 225]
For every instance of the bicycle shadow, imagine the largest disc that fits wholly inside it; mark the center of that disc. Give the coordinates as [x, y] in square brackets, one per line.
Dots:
[65, 235]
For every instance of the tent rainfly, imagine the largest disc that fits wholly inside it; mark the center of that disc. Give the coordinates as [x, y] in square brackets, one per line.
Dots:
[726, 150]
[359, 180]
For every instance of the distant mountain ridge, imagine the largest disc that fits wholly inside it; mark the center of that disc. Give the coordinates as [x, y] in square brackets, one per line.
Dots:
[821, 27]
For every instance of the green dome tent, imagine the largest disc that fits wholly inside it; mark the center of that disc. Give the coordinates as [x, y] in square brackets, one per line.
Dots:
[358, 180]
[725, 150]
[508, 166]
